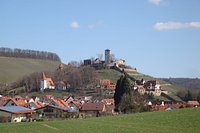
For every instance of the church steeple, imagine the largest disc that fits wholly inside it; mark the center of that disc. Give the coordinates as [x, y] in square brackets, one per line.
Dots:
[43, 76]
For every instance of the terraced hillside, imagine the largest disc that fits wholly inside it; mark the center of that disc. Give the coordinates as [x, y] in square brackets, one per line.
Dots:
[12, 69]
[176, 121]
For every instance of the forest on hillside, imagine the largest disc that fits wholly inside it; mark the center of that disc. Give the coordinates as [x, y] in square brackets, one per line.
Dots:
[26, 53]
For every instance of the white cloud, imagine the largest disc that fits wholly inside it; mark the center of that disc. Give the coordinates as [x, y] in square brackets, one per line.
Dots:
[175, 25]
[95, 25]
[156, 2]
[74, 25]
[195, 24]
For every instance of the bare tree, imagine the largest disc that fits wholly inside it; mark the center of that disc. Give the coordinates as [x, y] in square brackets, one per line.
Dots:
[100, 56]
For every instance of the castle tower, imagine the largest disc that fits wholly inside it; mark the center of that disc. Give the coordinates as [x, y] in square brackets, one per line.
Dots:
[107, 56]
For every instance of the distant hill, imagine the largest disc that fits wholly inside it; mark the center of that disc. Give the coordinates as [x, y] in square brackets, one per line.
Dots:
[12, 68]
[189, 83]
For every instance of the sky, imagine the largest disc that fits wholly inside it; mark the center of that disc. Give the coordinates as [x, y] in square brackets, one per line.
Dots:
[160, 38]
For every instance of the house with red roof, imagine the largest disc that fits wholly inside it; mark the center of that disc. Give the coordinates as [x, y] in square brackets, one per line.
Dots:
[36, 104]
[17, 102]
[60, 86]
[93, 109]
[193, 103]
[75, 106]
[15, 114]
[4, 100]
[153, 87]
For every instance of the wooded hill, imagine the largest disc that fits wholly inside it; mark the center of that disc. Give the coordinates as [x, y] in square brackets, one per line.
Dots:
[26, 53]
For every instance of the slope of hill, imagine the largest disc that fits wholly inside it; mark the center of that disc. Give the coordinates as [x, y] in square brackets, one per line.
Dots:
[12, 69]
[189, 83]
[110, 74]
[177, 121]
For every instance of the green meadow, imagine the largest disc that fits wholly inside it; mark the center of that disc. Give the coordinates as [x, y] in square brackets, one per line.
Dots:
[176, 121]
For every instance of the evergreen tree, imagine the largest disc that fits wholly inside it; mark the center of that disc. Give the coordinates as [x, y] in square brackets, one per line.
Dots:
[188, 96]
[118, 93]
[122, 88]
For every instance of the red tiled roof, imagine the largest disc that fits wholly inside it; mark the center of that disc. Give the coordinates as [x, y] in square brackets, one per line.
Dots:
[4, 100]
[18, 102]
[38, 104]
[151, 82]
[93, 107]
[77, 104]
[25, 111]
[195, 103]
[59, 103]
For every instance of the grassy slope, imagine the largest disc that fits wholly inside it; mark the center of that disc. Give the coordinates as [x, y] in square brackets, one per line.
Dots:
[12, 69]
[177, 121]
[110, 74]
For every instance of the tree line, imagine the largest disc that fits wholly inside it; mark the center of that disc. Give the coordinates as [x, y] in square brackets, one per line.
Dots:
[26, 53]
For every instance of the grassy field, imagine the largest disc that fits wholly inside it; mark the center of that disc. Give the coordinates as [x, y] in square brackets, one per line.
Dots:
[15, 68]
[177, 121]
[41, 94]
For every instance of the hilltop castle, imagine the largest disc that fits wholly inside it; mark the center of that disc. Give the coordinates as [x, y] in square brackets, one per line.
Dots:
[108, 62]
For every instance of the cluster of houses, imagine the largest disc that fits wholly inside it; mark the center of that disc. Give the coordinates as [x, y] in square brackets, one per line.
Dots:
[18, 109]
[46, 83]
[150, 87]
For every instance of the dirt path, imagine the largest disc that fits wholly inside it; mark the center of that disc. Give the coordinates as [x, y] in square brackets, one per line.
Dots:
[54, 128]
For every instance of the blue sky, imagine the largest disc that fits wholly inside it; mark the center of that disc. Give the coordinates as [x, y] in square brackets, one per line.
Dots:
[159, 37]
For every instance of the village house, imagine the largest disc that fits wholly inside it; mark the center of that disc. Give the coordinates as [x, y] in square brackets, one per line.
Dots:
[75, 106]
[106, 84]
[15, 114]
[193, 103]
[140, 89]
[17, 102]
[60, 86]
[93, 109]
[4, 100]
[110, 106]
[53, 108]
[107, 87]
[35, 104]
[51, 112]
[152, 87]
